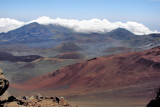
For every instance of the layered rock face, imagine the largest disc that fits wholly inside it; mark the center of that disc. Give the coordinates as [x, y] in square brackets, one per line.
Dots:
[25, 101]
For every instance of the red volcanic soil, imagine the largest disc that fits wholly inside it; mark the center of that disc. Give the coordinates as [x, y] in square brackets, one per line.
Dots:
[106, 72]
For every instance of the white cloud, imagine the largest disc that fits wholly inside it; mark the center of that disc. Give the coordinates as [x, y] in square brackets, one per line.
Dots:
[7, 24]
[85, 26]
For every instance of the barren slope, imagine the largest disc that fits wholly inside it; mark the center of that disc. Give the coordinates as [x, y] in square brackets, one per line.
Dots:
[107, 72]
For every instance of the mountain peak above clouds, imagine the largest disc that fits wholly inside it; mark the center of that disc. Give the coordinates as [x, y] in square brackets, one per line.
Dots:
[36, 33]
[83, 26]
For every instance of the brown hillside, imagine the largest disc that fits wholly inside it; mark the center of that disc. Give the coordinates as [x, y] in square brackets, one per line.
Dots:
[102, 73]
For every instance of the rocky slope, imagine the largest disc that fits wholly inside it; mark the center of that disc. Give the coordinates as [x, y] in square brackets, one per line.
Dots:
[98, 74]
[34, 101]
[25, 101]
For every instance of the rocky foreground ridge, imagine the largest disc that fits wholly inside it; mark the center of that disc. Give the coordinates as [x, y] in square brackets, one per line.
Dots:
[38, 100]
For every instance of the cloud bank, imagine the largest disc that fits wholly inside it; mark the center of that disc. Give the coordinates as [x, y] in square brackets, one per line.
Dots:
[85, 26]
[7, 24]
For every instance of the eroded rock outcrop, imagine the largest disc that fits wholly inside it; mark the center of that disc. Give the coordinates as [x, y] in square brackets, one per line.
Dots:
[4, 83]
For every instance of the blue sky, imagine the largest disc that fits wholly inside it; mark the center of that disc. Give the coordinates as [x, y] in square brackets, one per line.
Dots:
[146, 12]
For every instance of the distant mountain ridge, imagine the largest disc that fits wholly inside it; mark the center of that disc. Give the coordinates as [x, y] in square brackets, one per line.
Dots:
[37, 33]
[33, 32]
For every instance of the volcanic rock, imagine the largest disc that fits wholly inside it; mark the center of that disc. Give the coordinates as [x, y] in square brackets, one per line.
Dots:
[39, 96]
[11, 104]
[32, 98]
[4, 83]
[34, 102]
[11, 99]
[62, 101]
